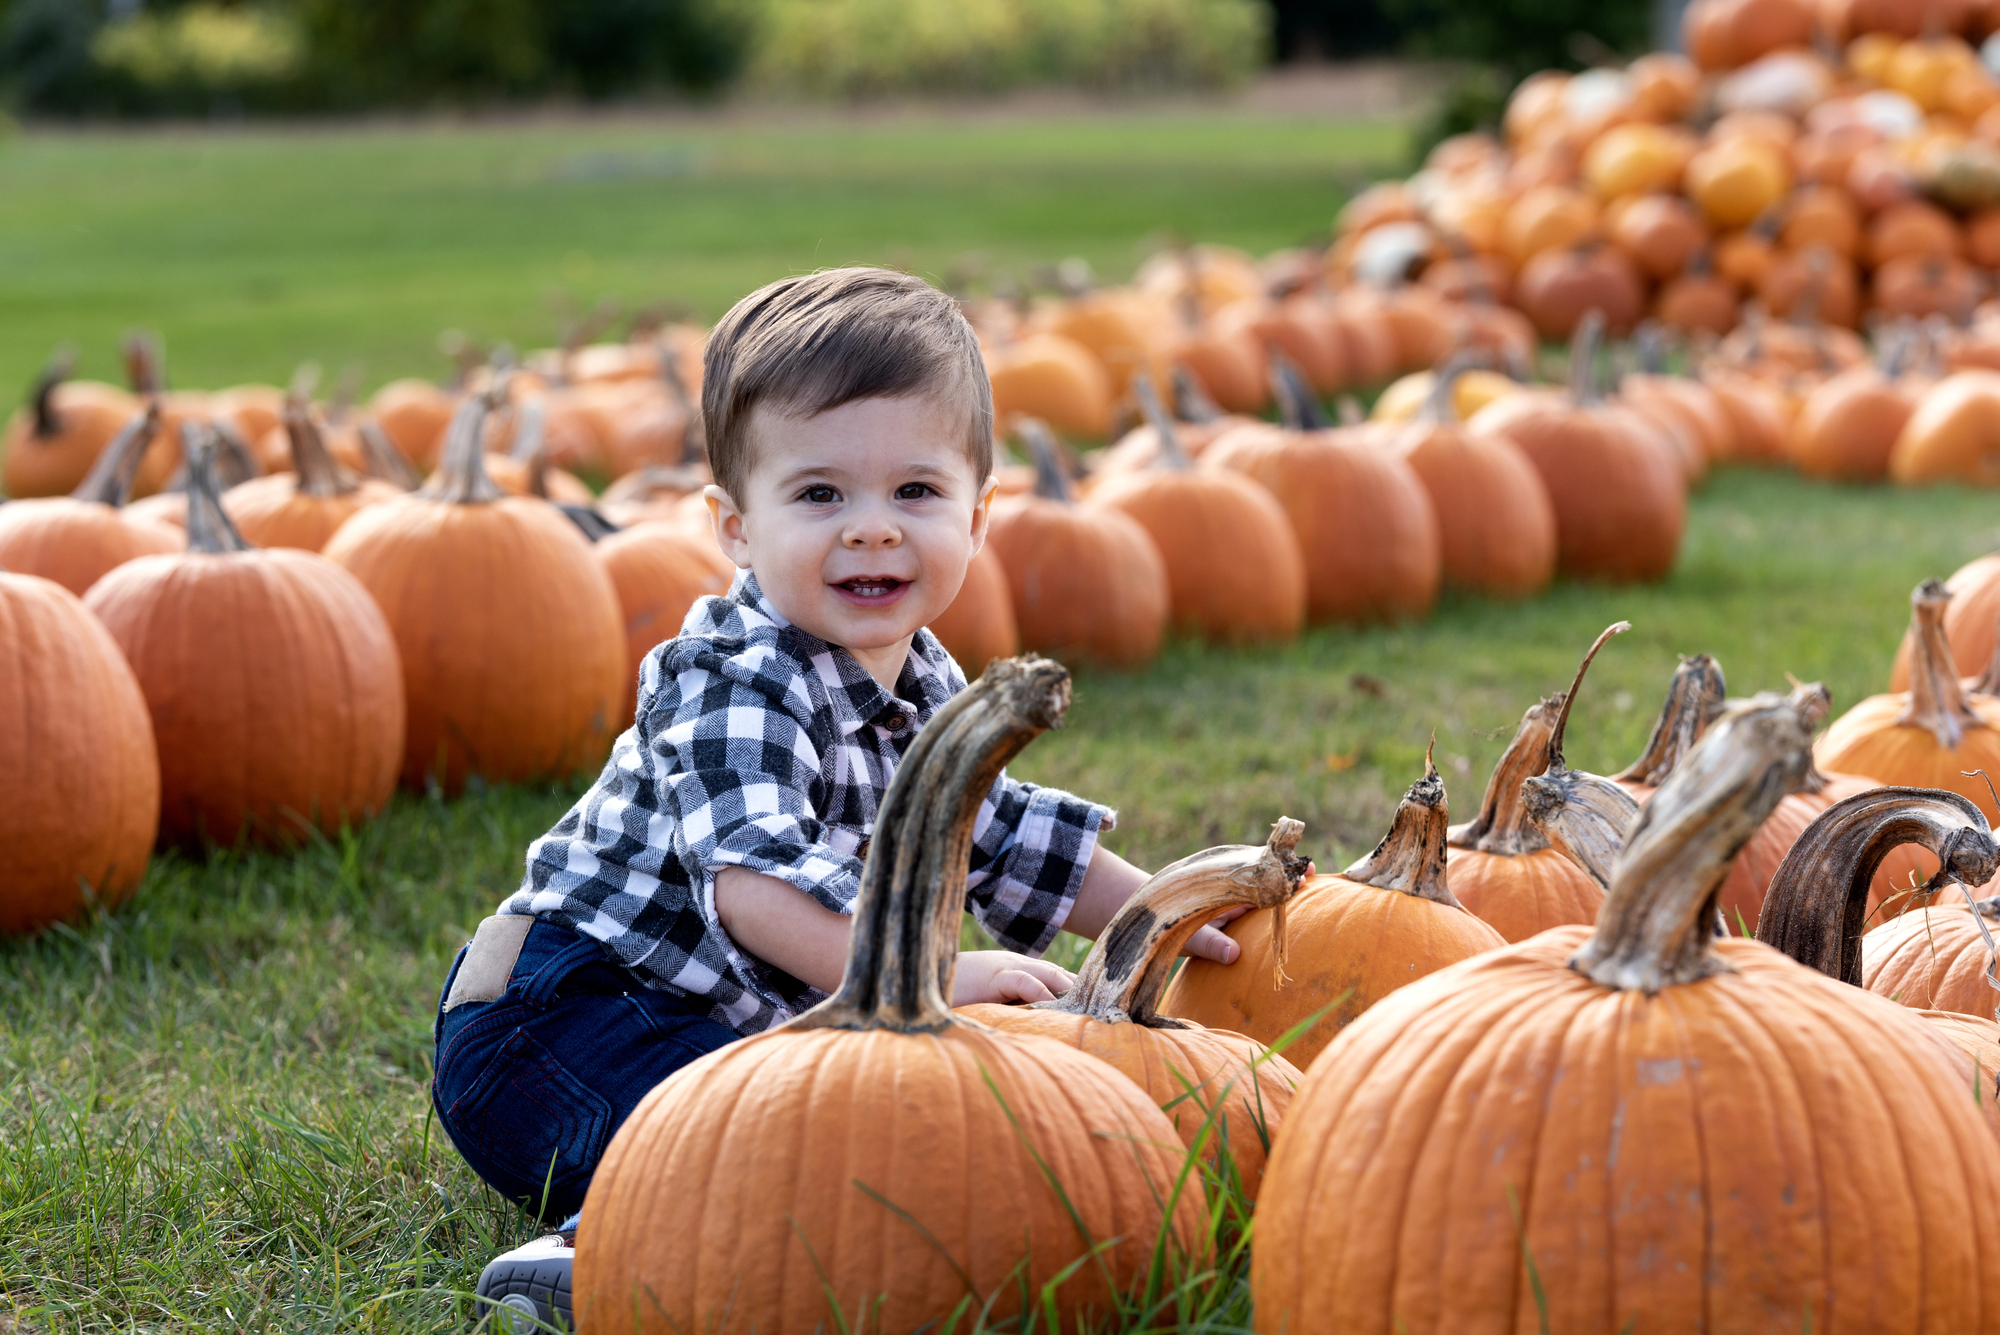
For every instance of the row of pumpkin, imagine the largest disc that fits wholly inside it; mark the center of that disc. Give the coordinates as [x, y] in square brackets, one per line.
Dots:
[1534, 1014]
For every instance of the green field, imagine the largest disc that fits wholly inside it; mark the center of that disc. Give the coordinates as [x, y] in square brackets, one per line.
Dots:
[253, 250]
[212, 1102]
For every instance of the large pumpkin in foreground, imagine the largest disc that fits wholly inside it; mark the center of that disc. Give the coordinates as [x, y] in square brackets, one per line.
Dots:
[877, 1155]
[512, 646]
[270, 675]
[1640, 1127]
[79, 775]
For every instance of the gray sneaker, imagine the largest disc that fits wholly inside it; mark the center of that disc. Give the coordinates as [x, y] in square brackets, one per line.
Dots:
[527, 1290]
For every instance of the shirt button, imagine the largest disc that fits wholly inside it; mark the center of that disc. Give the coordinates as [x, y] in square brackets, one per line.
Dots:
[896, 722]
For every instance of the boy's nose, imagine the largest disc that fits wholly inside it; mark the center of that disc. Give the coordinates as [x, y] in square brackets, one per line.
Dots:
[872, 531]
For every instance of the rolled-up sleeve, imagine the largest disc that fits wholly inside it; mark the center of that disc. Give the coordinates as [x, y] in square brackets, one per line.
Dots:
[1030, 850]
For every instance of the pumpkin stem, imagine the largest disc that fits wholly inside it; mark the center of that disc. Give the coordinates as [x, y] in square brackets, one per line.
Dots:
[1649, 345]
[109, 480]
[1695, 696]
[1440, 404]
[1817, 904]
[1128, 968]
[1893, 347]
[1171, 456]
[904, 946]
[1191, 400]
[1502, 825]
[1937, 701]
[1411, 856]
[317, 472]
[1656, 928]
[1583, 817]
[1583, 357]
[1555, 752]
[1298, 406]
[461, 477]
[1050, 483]
[42, 394]
[142, 364]
[381, 458]
[346, 393]
[531, 445]
[209, 527]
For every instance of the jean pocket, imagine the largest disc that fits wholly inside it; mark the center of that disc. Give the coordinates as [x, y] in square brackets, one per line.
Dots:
[529, 1127]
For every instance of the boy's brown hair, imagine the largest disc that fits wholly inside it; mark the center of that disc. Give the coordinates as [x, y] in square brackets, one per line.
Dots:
[806, 345]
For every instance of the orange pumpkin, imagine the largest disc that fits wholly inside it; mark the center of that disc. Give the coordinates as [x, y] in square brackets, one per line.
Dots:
[1547, 218]
[1814, 285]
[979, 625]
[66, 424]
[1700, 299]
[1818, 215]
[1659, 233]
[1088, 584]
[963, 1120]
[1953, 434]
[1351, 939]
[1559, 287]
[1234, 570]
[659, 571]
[1929, 736]
[1735, 180]
[1636, 159]
[512, 646]
[413, 415]
[1969, 622]
[75, 539]
[271, 677]
[1053, 378]
[1918, 286]
[1848, 425]
[1496, 525]
[1214, 1085]
[81, 771]
[1563, 1082]
[302, 508]
[1619, 499]
[1936, 957]
[1362, 517]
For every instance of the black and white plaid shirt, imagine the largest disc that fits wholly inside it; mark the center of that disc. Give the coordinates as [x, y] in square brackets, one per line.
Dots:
[758, 745]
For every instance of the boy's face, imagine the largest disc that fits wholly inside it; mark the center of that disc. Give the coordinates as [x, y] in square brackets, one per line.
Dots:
[858, 523]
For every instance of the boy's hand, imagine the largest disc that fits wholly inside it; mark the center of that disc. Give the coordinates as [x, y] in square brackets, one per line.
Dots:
[1210, 944]
[1003, 976]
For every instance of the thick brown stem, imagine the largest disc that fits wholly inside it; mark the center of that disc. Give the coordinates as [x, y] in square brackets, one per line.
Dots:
[1568, 698]
[1411, 856]
[1937, 701]
[142, 364]
[383, 460]
[1657, 926]
[1583, 357]
[209, 527]
[109, 480]
[1502, 825]
[1585, 818]
[42, 394]
[904, 944]
[1298, 405]
[1817, 906]
[315, 471]
[1050, 484]
[461, 476]
[1694, 697]
[1171, 455]
[1128, 968]
[1191, 400]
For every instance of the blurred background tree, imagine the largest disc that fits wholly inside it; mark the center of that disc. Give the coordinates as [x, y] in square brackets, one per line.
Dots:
[225, 57]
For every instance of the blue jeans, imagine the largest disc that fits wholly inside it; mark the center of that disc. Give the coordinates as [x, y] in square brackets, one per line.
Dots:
[531, 1086]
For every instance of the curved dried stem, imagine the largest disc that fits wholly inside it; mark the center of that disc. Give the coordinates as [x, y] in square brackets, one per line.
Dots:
[1937, 701]
[1583, 345]
[1171, 455]
[317, 472]
[1128, 968]
[382, 459]
[1191, 400]
[904, 946]
[461, 477]
[1695, 696]
[1656, 928]
[1585, 818]
[1411, 857]
[1817, 906]
[1050, 483]
[209, 527]
[109, 480]
[1440, 404]
[1502, 825]
[1298, 405]
[42, 394]
[1555, 752]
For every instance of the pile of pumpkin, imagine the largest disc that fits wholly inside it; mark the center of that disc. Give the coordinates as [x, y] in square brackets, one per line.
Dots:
[1502, 1046]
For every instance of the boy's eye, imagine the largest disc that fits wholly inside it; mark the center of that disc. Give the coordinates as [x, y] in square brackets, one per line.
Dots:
[912, 491]
[819, 495]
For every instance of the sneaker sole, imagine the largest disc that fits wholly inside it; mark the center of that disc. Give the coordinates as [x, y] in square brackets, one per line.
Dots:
[517, 1294]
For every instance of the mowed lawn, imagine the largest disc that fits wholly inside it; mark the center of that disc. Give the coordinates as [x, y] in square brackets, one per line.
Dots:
[212, 1101]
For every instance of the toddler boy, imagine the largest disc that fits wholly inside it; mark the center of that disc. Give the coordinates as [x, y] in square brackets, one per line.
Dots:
[701, 891]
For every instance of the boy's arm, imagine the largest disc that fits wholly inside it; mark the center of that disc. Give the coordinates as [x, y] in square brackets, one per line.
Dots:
[770, 919]
[1109, 881]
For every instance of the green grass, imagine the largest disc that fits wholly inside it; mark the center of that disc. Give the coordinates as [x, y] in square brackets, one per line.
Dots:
[212, 1101]
[253, 250]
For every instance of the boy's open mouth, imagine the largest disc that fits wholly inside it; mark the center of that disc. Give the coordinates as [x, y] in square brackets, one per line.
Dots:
[872, 589]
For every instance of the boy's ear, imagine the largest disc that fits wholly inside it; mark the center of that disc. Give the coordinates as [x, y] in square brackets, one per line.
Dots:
[727, 519]
[982, 512]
